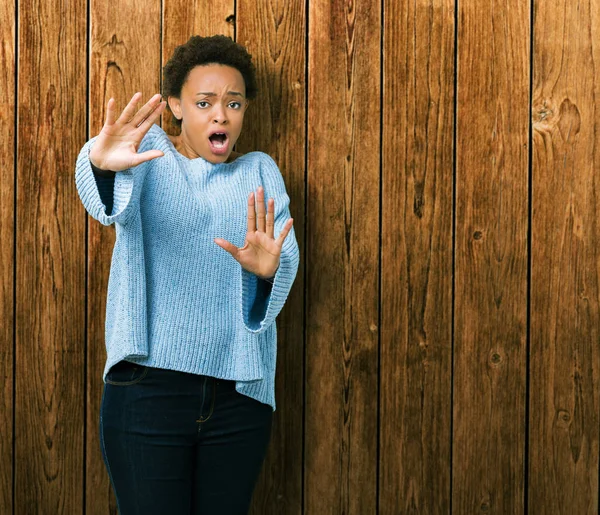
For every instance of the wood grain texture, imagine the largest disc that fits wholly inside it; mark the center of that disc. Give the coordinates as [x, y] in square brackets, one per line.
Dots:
[416, 257]
[491, 257]
[183, 19]
[274, 34]
[563, 467]
[50, 281]
[7, 264]
[342, 312]
[125, 58]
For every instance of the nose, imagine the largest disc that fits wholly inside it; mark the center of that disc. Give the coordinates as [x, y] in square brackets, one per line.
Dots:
[219, 115]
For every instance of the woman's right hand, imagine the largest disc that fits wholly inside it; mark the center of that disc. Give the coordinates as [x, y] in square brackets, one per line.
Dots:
[116, 146]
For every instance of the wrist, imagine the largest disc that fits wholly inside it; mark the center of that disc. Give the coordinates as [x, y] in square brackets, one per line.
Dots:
[269, 279]
[100, 171]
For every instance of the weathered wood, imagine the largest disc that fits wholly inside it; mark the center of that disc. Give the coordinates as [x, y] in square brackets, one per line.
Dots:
[125, 58]
[184, 19]
[416, 258]
[338, 469]
[7, 265]
[342, 307]
[274, 33]
[491, 257]
[565, 260]
[50, 245]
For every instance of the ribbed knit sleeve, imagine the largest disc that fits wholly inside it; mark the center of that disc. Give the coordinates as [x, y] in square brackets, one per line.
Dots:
[126, 189]
[261, 302]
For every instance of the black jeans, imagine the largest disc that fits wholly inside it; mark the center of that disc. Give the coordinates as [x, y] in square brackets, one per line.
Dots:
[180, 444]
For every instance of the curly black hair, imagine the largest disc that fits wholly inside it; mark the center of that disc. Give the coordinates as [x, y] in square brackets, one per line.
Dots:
[200, 51]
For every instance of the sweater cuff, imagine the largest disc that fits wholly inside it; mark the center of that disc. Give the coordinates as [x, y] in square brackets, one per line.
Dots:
[94, 190]
[262, 301]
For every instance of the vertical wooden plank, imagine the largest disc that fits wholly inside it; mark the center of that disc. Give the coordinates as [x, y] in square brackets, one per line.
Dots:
[184, 19]
[342, 310]
[563, 466]
[7, 265]
[50, 259]
[491, 257]
[274, 33]
[416, 255]
[125, 58]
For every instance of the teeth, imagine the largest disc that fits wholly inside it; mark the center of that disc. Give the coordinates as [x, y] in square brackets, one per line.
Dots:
[218, 139]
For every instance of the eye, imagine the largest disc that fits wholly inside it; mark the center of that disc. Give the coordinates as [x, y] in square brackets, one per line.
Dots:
[236, 104]
[199, 104]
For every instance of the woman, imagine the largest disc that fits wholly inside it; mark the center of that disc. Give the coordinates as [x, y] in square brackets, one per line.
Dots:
[200, 270]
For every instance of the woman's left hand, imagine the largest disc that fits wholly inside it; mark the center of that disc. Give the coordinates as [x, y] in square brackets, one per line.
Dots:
[261, 251]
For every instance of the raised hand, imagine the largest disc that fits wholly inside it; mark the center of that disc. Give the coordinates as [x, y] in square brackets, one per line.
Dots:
[261, 251]
[116, 146]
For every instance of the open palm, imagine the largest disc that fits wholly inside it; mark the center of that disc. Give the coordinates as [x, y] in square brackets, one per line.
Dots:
[261, 251]
[116, 147]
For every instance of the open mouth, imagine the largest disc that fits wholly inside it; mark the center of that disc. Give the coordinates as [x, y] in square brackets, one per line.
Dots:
[218, 140]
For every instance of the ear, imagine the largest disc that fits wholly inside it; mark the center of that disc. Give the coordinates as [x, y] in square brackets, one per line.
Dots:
[175, 106]
[246, 105]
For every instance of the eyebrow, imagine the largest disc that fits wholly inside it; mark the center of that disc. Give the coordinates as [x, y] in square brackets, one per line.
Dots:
[211, 94]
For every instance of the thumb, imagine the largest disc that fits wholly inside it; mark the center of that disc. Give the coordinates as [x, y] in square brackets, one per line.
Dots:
[229, 247]
[146, 156]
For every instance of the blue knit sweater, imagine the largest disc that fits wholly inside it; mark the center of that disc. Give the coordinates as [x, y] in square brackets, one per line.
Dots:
[177, 300]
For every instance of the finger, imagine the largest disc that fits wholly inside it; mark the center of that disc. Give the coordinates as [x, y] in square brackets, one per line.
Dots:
[146, 156]
[148, 122]
[271, 218]
[110, 112]
[146, 110]
[129, 110]
[285, 231]
[251, 213]
[229, 247]
[260, 215]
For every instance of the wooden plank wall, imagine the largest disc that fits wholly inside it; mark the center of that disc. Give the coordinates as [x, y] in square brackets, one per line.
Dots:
[8, 66]
[342, 257]
[49, 396]
[565, 256]
[416, 257]
[490, 310]
[438, 352]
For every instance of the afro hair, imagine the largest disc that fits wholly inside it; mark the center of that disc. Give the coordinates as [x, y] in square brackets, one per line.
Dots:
[199, 51]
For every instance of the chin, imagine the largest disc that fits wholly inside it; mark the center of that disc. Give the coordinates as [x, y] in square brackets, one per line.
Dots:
[220, 159]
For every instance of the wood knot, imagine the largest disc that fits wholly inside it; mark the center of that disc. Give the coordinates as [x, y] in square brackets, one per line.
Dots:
[495, 358]
[563, 418]
[569, 120]
[419, 200]
[544, 115]
[543, 112]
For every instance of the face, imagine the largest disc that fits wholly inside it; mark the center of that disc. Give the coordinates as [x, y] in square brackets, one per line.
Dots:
[211, 109]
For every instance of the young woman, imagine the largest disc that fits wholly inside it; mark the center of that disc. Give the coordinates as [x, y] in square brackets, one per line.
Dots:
[200, 269]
